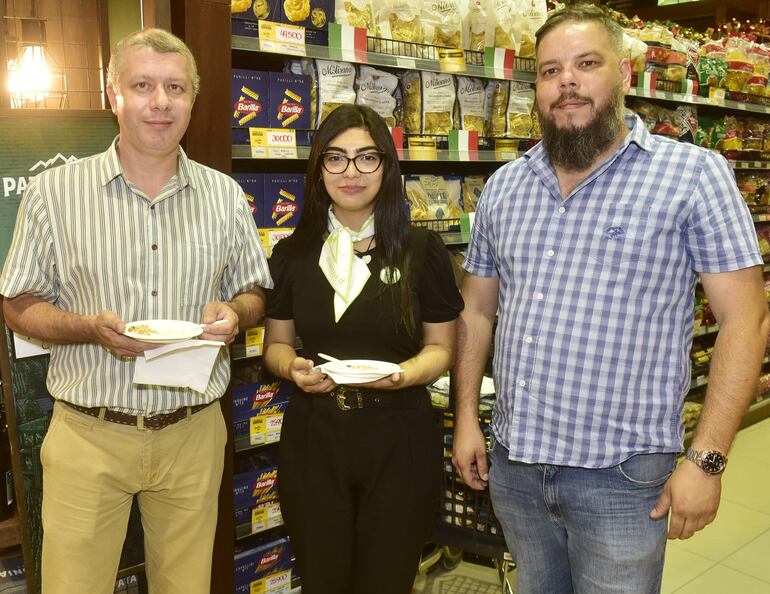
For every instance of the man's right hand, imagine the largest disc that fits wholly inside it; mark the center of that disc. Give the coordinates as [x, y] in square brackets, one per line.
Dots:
[108, 331]
[469, 455]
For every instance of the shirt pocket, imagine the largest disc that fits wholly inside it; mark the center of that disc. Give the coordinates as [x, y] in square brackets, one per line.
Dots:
[617, 240]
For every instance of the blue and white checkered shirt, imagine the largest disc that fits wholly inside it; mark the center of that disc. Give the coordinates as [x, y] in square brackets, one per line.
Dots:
[596, 295]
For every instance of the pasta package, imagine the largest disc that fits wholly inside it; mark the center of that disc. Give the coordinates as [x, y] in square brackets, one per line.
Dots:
[528, 17]
[400, 20]
[521, 100]
[478, 33]
[335, 86]
[473, 186]
[356, 13]
[255, 9]
[283, 199]
[434, 197]
[438, 103]
[253, 187]
[250, 97]
[442, 23]
[504, 25]
[377, 89]
[497, 106]
[471, 99]
[311, 14]
[289, 101]
[418, 198]
[411, 88]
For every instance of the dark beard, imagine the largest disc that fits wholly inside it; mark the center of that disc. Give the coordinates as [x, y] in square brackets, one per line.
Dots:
[576, 148]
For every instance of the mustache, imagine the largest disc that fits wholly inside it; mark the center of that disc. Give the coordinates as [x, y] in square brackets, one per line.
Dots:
[571, 97]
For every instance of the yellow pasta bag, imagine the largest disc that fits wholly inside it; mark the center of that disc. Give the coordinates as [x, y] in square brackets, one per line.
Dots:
[504, 26]
[528, 17]
[377, 89]
[355, 13]
[438, 103]
[471, 101]
[335, 86]
[296, 10]
[411, 89]
[521, 100]
[400, 20]
[478, 33]
[442, 23]
[497, 93]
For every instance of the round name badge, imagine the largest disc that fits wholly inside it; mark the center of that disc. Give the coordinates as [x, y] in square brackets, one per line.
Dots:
[390, 275]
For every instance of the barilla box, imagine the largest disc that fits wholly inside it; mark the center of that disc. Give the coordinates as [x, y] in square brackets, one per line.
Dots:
[282, 199]
[254, 487]
[252, 10]
[259, 517]
[288, 101]
[263, 425]
[250, 97]
[251, 397]
[253, 186]
[311, 14]
[272, 558]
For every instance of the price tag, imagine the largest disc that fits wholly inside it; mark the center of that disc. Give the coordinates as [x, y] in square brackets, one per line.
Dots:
[282, 39]
[408, 63]
[717, 94]
[506, 149]
[276, 583]
[255, 336]
[264, 517]
[257, 430]
[273, 426]
[741, 105]
[422, 148]
[273, 143]
[451, 60]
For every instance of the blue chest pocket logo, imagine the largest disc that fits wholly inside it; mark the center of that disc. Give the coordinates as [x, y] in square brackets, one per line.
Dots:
[614, 232]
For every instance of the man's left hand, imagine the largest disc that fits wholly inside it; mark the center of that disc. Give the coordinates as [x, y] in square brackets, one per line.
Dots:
[227, 328]
[693, 498]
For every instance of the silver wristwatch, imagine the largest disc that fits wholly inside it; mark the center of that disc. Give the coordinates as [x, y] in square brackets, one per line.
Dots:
[710, 461]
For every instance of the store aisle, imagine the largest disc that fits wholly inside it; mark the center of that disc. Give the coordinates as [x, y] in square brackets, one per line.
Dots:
[731, 555]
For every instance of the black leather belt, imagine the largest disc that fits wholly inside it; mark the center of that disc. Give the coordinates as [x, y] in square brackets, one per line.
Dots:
[154, 422]
[352, 398]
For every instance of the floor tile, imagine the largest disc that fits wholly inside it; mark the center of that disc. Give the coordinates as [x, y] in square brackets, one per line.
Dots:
[723, 580]
[735, 526]
[752, 558]
[752, 443]
[748, 483]
[682, 567]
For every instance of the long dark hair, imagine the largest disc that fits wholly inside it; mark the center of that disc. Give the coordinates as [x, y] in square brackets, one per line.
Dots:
[391, 218]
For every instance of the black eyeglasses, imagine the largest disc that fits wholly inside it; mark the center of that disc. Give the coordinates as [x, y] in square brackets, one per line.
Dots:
[368, 162]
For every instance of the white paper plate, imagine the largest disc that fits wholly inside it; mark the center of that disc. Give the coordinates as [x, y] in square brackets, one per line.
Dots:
[358, 371]
[162, 331]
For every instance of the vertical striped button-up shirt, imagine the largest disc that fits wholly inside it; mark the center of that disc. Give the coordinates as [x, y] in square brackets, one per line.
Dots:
[596, 295]
[88, 240]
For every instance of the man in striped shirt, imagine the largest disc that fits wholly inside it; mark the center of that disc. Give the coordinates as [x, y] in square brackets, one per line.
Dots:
[588, 250]
[138, 232]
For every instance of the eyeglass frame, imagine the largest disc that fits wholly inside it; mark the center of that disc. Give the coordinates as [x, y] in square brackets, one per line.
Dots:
[352, 160]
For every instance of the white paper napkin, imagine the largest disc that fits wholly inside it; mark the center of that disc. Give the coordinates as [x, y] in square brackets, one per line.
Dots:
[186, 364]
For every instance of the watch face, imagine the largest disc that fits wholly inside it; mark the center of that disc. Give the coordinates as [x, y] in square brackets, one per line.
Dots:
[713, 462]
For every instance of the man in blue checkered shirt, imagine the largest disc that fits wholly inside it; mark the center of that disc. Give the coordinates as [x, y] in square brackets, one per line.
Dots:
[589, 249]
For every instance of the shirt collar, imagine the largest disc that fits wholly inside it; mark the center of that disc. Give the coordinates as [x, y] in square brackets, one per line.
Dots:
[111, 167]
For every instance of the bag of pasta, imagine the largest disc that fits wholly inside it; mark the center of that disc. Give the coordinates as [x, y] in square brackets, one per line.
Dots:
[521, 100]
[471, 100]
[473, 185]
[497, 97]
[418, 198]
[438, 103]
[478, 33]
[355, 13]
[400, 20]
[305, 66]
[377, 89]
[528, 16]
[334, 86]
[442, 23]
[411, 90]
[504, 25]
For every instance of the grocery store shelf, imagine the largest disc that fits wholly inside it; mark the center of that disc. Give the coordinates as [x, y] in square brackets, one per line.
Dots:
[698, 100]
[243, 151]
[750, 164]
[761, 218]
[701, 330]
[403, 56]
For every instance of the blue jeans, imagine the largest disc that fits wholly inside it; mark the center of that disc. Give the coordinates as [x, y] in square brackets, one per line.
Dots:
[582, 530]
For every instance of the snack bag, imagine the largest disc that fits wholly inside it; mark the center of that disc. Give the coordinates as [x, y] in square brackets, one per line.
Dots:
[377, 89]
[442, 24]
[471, 99]
[334, 86]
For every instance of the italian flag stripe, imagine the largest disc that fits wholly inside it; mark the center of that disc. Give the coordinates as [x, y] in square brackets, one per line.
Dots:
[499, 61]
[465, 144]
[349, 42]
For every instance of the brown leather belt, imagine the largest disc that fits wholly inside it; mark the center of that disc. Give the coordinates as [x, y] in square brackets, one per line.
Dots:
[350, 398]
[154, 422]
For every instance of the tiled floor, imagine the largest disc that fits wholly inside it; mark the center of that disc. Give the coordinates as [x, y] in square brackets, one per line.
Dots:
[730, 556]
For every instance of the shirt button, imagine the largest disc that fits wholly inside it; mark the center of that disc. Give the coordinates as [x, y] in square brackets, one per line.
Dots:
[540, 295]
[550, 253]
[562, 210]
[522, 383]
[529, 339]
[152, 207]
[154, 293]
[154, 246]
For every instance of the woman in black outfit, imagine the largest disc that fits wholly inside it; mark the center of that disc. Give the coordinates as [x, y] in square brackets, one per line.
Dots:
[359, 465]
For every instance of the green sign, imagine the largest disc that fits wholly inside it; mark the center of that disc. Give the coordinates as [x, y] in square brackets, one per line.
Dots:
[31, 142]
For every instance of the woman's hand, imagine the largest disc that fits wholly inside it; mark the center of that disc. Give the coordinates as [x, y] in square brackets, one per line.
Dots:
[394, 381]
[308, 378]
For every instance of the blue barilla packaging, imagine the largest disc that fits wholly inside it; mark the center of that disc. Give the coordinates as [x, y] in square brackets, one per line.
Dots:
[256, 486]
[283, 199]
[288, 101]
[253, 186]
[267, 559]
[251, 397]
[249, 98]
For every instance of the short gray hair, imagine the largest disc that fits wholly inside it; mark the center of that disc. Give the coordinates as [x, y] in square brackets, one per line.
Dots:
[158, 40]
[583, 13]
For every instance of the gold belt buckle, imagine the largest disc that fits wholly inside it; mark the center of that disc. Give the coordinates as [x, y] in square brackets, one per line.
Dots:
[342, 402]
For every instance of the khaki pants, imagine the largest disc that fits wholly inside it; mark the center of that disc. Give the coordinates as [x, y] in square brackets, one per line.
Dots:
[91, 471]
